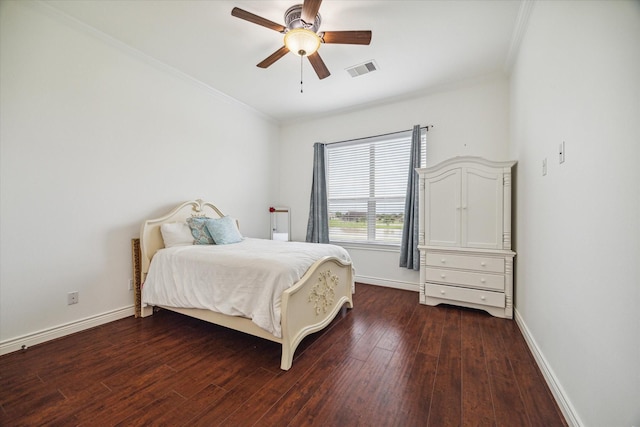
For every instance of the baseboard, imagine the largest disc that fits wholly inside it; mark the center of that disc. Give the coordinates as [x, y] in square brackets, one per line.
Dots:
[45, 335]
[396, 284]
[563, 401]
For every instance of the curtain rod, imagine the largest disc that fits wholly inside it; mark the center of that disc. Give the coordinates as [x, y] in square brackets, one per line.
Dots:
[427, 127]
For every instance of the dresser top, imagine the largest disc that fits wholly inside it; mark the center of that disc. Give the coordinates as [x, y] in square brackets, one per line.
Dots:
[469, 161]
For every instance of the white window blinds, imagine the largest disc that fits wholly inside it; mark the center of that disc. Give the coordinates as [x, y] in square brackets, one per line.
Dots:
[366, 188]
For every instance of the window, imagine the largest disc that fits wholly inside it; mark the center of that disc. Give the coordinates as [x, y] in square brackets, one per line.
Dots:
[366, 187]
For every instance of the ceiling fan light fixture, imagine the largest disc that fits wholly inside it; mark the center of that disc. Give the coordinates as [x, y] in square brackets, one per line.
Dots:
[301, 41]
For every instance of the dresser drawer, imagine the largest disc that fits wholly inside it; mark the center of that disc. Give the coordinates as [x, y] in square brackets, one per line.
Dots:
[479, 263]
[465, 278]
[493, 299]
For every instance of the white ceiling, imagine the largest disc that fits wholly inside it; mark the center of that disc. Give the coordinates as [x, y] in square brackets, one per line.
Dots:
[417, 45]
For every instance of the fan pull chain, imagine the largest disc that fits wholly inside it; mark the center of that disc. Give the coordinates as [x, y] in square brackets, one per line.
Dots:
[301, 91]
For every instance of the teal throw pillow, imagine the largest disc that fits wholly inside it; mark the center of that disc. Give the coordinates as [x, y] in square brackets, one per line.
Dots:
[224, 230]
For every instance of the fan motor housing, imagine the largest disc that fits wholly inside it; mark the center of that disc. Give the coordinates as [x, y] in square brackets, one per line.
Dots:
[293, 19]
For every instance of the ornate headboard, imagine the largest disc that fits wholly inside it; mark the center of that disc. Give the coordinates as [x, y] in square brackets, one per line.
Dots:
[151, 238]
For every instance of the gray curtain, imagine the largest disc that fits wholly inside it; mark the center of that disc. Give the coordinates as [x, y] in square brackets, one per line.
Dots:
[318, 225]
[409, 254]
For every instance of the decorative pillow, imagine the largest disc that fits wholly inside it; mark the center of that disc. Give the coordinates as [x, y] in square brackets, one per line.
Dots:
[199, 231]
[176, 234]
[224, 230]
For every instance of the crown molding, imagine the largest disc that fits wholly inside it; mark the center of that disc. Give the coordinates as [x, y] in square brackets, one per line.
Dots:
[85, 28]
[519, 31]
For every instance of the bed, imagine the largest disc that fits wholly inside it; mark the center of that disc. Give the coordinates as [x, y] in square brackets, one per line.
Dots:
[306, 305]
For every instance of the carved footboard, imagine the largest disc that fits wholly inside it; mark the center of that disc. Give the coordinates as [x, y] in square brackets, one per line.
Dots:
[312, 303]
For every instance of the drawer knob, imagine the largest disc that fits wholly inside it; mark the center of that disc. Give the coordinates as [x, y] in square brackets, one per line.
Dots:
[483, 298]
[441, 291]
[482, 280]
[443, 276]
[483, 263]
[443, 260]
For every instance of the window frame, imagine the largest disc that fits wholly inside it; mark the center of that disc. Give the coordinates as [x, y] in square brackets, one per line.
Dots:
[372, 200]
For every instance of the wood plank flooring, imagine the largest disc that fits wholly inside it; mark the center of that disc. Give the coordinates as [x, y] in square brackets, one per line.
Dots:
[388, 362]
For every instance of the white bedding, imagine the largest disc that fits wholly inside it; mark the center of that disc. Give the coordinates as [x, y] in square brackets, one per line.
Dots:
[242, 279]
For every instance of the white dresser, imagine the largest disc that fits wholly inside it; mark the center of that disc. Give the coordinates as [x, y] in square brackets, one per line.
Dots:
[465, 235]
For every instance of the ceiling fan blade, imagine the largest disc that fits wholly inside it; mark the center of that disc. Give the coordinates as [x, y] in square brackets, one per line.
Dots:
[248, 16]
[346, 37]
[310, 9]
[318, 65]
[274, 57]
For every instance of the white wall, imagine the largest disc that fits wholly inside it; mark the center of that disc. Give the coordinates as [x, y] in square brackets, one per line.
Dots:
[469, 119]
[95, 138]
[577, 79]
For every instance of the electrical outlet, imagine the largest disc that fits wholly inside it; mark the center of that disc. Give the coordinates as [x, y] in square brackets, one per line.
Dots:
[130, 284]
[561, 150]
[72, 298]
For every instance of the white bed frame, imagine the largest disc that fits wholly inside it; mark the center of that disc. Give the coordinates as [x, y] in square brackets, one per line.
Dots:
[307, 307]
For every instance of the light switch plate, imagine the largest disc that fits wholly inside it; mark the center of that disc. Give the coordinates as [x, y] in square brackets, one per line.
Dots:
[561, 149]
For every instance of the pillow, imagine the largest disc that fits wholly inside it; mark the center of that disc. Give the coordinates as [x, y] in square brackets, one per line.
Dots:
[176, 234]
[199, 231]
[224, 230]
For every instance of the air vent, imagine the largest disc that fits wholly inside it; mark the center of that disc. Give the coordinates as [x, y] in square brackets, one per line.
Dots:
[361, 69]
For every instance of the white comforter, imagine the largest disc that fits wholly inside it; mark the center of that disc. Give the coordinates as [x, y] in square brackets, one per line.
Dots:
[242, 279]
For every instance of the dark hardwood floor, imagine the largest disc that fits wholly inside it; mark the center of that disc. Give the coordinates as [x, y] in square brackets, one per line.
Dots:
[388, 362]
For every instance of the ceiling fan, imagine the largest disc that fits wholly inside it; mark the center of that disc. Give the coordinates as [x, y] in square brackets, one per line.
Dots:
[301, 34]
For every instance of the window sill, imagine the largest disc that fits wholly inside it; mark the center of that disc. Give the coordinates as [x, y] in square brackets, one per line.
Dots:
[377, 247]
